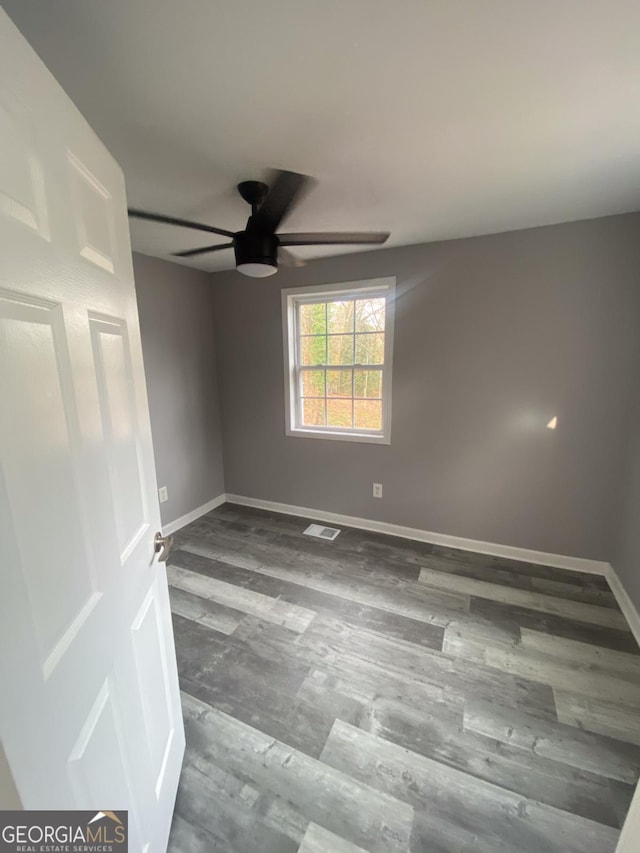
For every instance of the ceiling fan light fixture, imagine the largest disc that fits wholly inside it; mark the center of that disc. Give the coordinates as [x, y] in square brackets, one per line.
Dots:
[256, 253]
[257, 270]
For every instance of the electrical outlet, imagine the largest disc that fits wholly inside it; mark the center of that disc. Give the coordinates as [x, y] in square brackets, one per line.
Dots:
[377, 490]
[163, 494]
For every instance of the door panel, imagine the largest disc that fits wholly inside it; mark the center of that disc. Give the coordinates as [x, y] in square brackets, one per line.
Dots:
[93, 215]
[40, 470]
[91, 714]
[115, 379]
[99, 731]
[152, 670]
[22, 195]
[100, 736]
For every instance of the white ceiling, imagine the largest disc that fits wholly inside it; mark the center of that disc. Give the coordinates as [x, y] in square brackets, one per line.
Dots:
[428, 118]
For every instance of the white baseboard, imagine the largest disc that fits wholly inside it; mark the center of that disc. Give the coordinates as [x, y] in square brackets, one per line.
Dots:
[172, 526]
[627, 606]
[560, 561]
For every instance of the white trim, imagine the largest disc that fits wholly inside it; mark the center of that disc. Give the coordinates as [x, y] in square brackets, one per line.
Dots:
[559, 561]
[305, 432]
[627, 606]
[290, 298]
[172, 526]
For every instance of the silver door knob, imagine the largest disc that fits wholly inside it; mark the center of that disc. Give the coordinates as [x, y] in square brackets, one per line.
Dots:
[162, 546]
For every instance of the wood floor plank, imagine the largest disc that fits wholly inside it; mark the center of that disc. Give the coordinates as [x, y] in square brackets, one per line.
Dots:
[260, 691]
[271, 610]
[622, 795]
[205, 611]
[584, 579]
[354, 653]
[590, 594]
[289, 530]
[587, 680]
[302, 722]
[605, 616]
[497, 816]
[598, 715]
[198, 649]
[443, 738]
[285, 818]
[509, 619]
[233, 826]
[436, 834]
[412, 599]
[562, 743]
[501, 621]
[593, 593]
[320, 840]
[402, 627]
[618, 663]
[290, 547]
[336, 641]
[187, 837]
[367, 685]
[352, 810]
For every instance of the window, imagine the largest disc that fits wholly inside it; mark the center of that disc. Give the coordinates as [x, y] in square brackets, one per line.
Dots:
[338, 342]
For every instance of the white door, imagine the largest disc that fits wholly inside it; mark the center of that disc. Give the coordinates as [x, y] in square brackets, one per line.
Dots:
[89, 702]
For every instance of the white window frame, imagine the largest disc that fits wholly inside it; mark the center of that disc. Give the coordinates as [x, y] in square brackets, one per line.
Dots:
[294, 296]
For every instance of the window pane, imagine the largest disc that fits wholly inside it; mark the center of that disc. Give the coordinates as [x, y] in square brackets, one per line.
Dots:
[367, 414]
[312, 319]
[370, 315]
[368, 383]
[334, 335]
[339, 413]
[340, 317]
[313, 351]
[313, 412]
[339, 383]
[340, 349]
[312, 383]
[370, 349]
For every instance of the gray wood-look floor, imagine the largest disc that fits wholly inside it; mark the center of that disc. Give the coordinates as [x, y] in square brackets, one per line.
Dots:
[376, 694]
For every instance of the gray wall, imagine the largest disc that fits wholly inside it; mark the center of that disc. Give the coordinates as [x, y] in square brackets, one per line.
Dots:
[176, 321]
[625, 556]
[494, 336]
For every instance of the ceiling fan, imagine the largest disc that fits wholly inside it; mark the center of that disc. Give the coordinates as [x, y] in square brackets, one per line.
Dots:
[258, 248]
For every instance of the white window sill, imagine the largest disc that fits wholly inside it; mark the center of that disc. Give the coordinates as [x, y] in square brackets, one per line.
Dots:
[336, 435]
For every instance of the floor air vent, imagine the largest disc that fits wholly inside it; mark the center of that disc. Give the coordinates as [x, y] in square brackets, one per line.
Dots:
[321, 532]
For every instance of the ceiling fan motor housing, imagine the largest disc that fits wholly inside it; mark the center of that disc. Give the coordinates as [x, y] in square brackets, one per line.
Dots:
[256, 248]
[252, 247]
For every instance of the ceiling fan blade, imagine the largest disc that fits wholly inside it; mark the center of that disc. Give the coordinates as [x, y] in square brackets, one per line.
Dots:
[328, 239]
[172, 220]
[288, 259]
[190, 253]
[286, 190]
